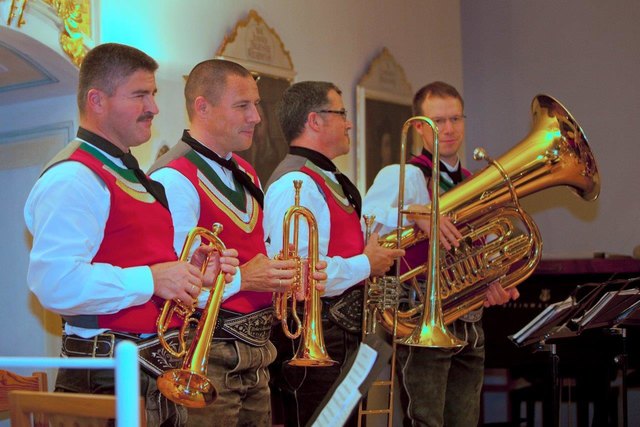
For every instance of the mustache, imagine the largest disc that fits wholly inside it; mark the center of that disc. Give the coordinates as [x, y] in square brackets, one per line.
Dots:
[146, 116]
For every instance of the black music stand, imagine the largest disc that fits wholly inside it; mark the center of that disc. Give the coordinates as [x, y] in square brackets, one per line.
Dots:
[550, 323]
[615, 309]
[591, 306]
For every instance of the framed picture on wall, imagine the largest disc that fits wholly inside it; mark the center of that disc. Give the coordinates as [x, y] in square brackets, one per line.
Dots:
[383, 135]
[258, 48]
[383, 105]
[269, 146]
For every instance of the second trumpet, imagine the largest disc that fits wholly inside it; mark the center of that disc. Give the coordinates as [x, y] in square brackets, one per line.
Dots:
[311, 350]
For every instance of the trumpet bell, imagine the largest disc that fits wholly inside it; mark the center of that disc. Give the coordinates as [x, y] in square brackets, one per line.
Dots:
[187, 388]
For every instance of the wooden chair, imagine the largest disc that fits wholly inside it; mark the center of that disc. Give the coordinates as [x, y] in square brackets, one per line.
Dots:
[65, 409]
[10, 381]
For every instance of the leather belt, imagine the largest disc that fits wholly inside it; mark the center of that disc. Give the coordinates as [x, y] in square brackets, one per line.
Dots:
[344, 310]
[102, 345]
[251, 328]
[153, 357]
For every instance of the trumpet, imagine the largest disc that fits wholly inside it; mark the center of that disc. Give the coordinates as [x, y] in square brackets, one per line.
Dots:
[189, 385]
[312, 351]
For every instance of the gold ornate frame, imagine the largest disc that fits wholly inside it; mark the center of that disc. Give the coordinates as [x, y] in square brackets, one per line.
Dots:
[257, 47]
[75, 23]
[383, 97]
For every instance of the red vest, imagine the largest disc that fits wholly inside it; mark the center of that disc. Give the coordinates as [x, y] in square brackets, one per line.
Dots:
[417, 254]
[139, 231]
[240, 215]
[346, 239]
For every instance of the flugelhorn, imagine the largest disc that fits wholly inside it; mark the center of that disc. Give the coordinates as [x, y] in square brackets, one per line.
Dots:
[189, 385]
[501, 242]
[431, 331]
[312, 351]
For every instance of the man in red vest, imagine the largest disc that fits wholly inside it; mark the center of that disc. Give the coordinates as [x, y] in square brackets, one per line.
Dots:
[102, 253]
[315, 125]
[207, 182]
[439, 386]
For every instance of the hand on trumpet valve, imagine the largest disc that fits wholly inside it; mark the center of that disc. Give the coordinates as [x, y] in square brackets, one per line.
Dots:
[264, 274]
[319, 276]
[177, 280]
[227, 262]
[497, 295]
[380, 259]
[449, 234]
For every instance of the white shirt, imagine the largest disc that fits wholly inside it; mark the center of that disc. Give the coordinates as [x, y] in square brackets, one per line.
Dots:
[381, 199]
[66, 212]
[342, 273]
[184, 205]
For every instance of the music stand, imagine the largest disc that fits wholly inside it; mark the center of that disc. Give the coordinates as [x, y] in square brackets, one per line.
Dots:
[606, 306]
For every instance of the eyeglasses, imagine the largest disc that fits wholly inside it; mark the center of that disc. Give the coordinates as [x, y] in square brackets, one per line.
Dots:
[455, 120]
[342, 112]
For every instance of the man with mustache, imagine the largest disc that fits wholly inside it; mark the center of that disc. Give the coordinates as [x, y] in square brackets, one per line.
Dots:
[207, 182]
[102, 253]
[315, 124]
[439, 386]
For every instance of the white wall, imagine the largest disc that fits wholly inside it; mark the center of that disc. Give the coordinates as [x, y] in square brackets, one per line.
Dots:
[331, 40]
[584, 53]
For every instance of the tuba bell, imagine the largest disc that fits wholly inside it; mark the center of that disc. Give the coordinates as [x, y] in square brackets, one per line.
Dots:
[189, 385]
[312, 351]
[486, 209]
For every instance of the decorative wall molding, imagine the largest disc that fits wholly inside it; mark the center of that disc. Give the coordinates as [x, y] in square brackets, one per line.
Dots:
[258, 48]
[383, 103]
[72, 20]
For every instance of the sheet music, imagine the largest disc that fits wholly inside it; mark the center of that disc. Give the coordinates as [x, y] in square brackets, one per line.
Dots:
[545, 318]
[347, 394]
[609, 306]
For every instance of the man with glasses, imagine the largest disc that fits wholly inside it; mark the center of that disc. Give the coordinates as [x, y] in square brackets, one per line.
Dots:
[439, 386]
[315, 125]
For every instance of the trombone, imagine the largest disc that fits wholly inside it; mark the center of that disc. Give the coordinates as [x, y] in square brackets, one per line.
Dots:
[431, 331]
[189, 385]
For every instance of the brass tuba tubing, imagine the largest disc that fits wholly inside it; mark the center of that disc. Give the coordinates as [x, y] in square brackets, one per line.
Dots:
[312, 351]
[554, 153]
[189, 385]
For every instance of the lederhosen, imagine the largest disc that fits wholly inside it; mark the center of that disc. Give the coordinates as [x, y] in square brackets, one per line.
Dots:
[247, 315]
[138, 232]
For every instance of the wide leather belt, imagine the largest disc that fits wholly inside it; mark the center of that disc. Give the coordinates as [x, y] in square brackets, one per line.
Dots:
[251, 328]
[344, 310]
[153, 357]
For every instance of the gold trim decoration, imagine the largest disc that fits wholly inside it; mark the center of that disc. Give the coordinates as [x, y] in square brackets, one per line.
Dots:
[76, 23]
[257, 47]
[17, 9]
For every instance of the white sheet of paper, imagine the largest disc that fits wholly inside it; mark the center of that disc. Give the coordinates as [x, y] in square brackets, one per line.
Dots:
[347, 395]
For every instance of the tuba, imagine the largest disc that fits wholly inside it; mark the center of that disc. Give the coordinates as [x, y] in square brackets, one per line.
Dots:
[500, 240]
[311, 351]
[189, 385]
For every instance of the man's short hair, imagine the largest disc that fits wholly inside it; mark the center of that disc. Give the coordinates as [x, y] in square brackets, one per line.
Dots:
[298, 101]
[107, 65]
[209, 79]
[437, 89]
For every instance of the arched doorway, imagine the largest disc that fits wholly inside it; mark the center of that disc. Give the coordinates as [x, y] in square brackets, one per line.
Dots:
[37, 117]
